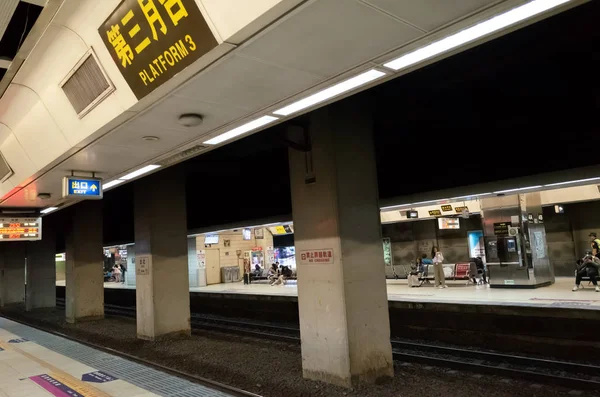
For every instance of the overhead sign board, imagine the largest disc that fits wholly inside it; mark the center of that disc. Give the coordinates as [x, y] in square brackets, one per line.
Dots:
[153, 40]
[77, 187]
[446, 207]
[435, 212]
[20, 229]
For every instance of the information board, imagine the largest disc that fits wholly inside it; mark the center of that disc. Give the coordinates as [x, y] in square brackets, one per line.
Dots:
[77, 187]
[20, 229]
[151, 41]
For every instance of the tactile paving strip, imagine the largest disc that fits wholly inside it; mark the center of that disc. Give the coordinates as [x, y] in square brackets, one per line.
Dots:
[147, 378]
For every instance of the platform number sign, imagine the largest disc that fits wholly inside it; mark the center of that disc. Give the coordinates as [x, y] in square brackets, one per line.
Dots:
[151, 41]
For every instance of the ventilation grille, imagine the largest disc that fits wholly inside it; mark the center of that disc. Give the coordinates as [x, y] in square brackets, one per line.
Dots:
[87, 86]
[183, 155]
[5, 170]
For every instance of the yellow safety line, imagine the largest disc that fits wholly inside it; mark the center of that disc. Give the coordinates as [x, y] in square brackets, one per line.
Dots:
[58, 374]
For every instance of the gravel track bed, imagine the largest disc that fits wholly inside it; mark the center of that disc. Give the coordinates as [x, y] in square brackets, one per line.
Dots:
[273, 368]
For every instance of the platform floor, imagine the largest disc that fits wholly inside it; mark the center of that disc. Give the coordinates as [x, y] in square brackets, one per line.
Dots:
[556, 295]
[37, 364]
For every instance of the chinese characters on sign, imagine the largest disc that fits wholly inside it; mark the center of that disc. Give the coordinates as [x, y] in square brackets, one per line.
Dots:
[317, 256]
[143, 265]
[20, 229]
[90, 188]
[153, 40]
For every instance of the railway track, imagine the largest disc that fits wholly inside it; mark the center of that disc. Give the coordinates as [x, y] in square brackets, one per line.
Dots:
[536, 370]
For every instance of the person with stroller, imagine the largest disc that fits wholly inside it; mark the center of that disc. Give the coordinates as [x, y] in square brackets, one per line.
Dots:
[589, 266]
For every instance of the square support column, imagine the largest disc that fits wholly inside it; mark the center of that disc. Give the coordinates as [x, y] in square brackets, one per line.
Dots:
[84, 263]
[161, 249]
[12, 273]
[41, 270]
[342, 298]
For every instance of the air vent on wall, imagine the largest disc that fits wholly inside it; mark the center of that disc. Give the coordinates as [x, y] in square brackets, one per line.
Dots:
[5, 170]
[87, 85]
[192, 151]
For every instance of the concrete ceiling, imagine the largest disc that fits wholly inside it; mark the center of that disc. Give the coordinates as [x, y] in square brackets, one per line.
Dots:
[318, 43]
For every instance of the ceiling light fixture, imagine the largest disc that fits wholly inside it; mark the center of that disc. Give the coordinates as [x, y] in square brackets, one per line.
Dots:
[570, 182]
[393, 207]
[333, 91]
[48, 210]
[108, 185]
[518, 189]
[470, 196]
[151, 138]
[242, 129]
[190, 120]
[139, 172]
[475, 32]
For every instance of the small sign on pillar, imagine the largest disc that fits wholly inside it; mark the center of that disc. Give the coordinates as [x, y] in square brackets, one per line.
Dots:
[143, 265]
[322, 256]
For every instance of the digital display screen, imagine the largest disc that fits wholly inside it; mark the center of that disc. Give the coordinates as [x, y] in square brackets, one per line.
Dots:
[412, 214]
[211, 239]
[20, 229]
[448, 223]
[247, 234]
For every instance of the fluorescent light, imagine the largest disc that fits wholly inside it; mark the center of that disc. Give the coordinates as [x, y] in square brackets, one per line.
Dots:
[391, 207]
[242, 129]
[569, 182]
[48, 210]
[473, 33]
[518, 189]
[139, 172]
[331, 92]
[470, 196]
[110, 184]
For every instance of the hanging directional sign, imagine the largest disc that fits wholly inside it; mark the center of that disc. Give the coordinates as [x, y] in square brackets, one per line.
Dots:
[86, 188]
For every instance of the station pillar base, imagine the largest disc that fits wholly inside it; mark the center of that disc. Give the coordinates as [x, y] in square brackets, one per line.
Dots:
[342, 298]
[84, 264]
[41, 271]
[12, 273]
[161, 256]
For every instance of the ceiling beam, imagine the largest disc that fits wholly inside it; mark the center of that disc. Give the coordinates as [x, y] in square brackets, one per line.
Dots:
[5, 63]
[41, 3]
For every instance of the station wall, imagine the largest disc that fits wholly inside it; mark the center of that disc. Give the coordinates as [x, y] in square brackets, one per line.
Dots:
[411, 239]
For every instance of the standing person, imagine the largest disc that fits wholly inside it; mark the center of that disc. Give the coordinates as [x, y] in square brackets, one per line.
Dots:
[117, 273]
[595, 243]
[123, 271]
[438, 268]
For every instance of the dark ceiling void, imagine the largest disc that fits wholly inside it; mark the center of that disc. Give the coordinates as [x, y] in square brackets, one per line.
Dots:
[523, 104]
[23, 19]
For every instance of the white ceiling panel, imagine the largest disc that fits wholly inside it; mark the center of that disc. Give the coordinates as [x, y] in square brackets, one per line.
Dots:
[7, 9]
[248, 83]
[430, 14]
[110, 159]
[161, 121]
[332, 36]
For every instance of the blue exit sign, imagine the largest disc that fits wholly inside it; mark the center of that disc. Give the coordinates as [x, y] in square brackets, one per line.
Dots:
[77, 187]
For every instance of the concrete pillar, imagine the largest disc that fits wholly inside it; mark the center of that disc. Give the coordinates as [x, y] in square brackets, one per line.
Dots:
[41, 270]
[193, 267]
[342, 298]
[84, 263]
[162, 284]
[12, 273]
[130, 275]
